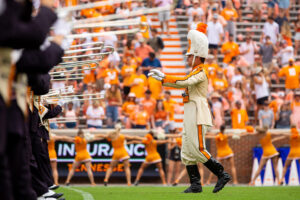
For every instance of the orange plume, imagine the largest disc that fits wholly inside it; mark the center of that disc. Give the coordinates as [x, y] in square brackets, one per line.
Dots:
[201, 27]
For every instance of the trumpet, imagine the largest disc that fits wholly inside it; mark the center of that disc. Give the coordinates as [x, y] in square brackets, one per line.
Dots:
[83, 50]
[87, 44]
[77, 63]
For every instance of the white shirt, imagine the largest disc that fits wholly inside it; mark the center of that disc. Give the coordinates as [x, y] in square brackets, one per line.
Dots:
[162, 3]
[262, 90]
[94, 113]
[271, 30]
[191, 11]
[114, 57]
[285, 54]
[213, 32]
[249, 57]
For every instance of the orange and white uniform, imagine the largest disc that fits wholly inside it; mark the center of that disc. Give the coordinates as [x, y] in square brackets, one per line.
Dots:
[120, 152]
[294, 145]
[151, 149]
[197, 115]
[51, 150]
[269, 150]
[81, 152]
[223, 149]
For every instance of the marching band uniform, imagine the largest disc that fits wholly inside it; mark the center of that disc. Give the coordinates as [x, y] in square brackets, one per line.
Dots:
[197, 115]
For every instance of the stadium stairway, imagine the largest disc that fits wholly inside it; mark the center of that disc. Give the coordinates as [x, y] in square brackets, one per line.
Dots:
[172, 60]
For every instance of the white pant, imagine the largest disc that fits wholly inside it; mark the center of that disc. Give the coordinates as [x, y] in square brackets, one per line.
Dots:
[193, 138]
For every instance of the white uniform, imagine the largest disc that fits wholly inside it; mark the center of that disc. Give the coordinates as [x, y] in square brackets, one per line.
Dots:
[197, 115]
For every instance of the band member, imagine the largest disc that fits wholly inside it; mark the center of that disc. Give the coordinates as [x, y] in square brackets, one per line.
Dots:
[224, 152]
[294, 153]
[197, 116]
[118, 141]
[269, 152]
[82, 156]
[152, 157]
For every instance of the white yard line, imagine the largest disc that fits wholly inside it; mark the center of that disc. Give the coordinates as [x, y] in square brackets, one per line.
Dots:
[85, 195]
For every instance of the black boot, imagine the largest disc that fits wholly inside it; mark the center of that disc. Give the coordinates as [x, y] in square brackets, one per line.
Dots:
[194, 175]
[217, 169]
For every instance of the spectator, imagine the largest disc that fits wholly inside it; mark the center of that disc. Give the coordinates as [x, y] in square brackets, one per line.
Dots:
[271, 6]
[215, 10]
[71, 116]
[261, 87]
[239, 116]
[266, 116]
[220, 83]
[170, 105]
[128, 107]
[195, 10]
[266, 52]
[138, 83]
[280, 19]
[295, 118]
[229, 49]
[95, 115]
[143, 50]
[149, 103]
[114, 58]
[238, 77]
[211, 66]
[114, 101]
[215, 35]
[286, 53]
[155, 87]
[291, 74]
[284, 116]
[284, 7]
[217, 109]
[160, 117]
[140, 118]
[297, 34]
[164, 16]
[256, 6]
[247, 50]
[156, 43]
[194, 23]
[150, 63]
[230, 15]
[127, 71]
[112, 73]
[271, 29]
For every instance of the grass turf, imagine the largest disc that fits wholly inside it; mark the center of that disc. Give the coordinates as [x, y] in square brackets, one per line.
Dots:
[174, 193]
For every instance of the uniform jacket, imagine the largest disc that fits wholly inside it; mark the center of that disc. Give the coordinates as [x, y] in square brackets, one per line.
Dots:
[196, 84]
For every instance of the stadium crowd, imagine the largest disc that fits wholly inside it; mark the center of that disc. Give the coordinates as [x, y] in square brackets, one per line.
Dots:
[259, 79]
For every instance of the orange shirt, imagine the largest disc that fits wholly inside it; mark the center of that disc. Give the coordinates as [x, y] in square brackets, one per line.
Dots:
[80, 147]
[70, 3]
[143, 52]
[89, 76]
[268, 147]
[219, 84]
[274, 106]
[155, 87]
[229, 14]
[212, 70]
[239, 118]
[126, 72]
[170, 108]
[140, 118]
[140, 88]
[88, 13]
[113, 76]
[145, 34]
[233, 51]
[223, 149]
[149, 105]
[291, 74]
[128, 107]
[161, 115]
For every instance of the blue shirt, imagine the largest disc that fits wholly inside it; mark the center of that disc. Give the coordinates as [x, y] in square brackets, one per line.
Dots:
[155, 63]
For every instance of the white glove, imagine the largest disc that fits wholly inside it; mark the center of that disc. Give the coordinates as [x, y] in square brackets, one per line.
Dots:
[89, 136]
[161, 134]
[157, 73]
[155, 76]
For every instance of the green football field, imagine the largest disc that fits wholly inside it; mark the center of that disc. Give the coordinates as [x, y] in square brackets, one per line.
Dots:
[174, 193]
